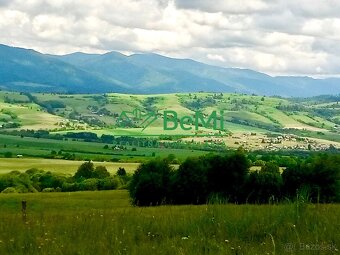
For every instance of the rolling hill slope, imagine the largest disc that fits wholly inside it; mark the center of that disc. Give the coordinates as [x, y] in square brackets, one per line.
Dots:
[318, 116]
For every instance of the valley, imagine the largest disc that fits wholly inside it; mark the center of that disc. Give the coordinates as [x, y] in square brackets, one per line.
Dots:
[253, 122]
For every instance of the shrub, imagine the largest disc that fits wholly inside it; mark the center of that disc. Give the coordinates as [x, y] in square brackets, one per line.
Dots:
[48, 190]
[171, 158]
[150, 183]
[20, 181]
[319, 177]
[5, 182]
[263, 186]
[50, 180]
[100, 172]
[85, 171]
[227, 175]
[9, 190]
[121, 171]
[108, 183]
[88, 184]
[190, 184]
[67, 187]
[8, 154]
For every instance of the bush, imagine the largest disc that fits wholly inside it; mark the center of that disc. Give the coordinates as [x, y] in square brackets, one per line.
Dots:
[227, 175]
[190, 184]
[68, 187]
[171, 158]
[108, 183]
[121, 171]
[5, 182]
[34, 180]
[88, 184]
[85, 171]
[100, 172]
[50, 180]
[270, 167]
[48, 190]
[20, 181]
[319, 177]
[8, 154]
[226, 178]
[150, 183]
[263, 186]
[9, 190]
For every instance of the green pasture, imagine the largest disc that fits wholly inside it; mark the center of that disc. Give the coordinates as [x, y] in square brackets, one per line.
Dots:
[57, 165]
[40, 147]
[263, 112]
[105, 223]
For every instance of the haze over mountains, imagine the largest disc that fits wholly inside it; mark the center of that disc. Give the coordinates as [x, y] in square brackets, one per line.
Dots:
[30, 71]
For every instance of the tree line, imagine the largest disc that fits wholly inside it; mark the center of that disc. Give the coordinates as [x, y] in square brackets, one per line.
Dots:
[86, 178]
[228, 178]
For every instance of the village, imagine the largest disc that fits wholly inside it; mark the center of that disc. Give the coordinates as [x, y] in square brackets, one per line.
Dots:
[271, 142]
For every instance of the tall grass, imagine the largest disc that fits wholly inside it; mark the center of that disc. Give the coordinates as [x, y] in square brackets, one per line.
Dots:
[105, 223]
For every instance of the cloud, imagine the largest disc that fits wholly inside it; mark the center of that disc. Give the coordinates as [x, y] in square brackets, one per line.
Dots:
[216, 57]
[230, 6]
[276, 37]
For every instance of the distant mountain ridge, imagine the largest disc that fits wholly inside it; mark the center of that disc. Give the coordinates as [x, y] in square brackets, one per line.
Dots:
[30, 71]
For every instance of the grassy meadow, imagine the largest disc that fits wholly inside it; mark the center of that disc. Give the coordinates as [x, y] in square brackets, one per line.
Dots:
[41, 147]
[105, 223]
[98, 113]
[57, 165]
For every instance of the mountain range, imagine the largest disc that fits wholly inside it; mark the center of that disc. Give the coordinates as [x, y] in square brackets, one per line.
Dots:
[27, 70]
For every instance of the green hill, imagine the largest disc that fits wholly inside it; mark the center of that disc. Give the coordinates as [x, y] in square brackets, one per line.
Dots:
[317, 117]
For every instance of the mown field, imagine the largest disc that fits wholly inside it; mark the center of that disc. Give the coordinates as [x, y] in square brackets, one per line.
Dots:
[105, 223]
[57, 165]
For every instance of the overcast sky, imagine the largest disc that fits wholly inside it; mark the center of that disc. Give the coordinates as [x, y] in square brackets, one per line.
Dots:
[278, 37]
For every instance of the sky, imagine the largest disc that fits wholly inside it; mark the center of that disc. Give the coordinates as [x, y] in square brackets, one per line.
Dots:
[277, 37]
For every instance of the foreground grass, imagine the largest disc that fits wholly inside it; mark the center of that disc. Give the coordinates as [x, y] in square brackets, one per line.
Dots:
[105, 223]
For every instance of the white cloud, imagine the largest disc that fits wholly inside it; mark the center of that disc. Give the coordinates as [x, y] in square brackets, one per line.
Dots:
[216, 57]
[230, 6]
[276, 37]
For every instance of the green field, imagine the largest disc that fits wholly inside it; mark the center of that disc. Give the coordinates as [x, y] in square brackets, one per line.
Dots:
[57, 165]
[40, 147]
[105, 223]
[99, 113]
